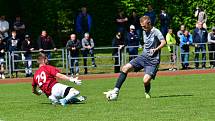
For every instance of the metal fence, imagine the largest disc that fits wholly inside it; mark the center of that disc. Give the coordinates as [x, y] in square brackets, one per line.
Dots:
[62, 59]
[17, 59]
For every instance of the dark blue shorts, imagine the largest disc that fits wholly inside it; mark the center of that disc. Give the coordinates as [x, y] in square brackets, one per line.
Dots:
[140, 62]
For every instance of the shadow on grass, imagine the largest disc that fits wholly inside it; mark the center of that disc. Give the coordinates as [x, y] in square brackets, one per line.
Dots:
[167, 96]
[76, 103]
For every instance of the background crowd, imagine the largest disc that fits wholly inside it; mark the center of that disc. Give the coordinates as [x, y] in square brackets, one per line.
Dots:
[14, 37]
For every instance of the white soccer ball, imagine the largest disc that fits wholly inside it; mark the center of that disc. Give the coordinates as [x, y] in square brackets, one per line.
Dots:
[112, 96]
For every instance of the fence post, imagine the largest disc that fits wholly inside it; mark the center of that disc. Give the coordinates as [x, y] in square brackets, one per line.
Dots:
[63, 57]
[9, 57]
[66, 62]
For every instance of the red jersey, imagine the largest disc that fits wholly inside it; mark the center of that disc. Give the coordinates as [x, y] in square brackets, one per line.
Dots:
[45, 78]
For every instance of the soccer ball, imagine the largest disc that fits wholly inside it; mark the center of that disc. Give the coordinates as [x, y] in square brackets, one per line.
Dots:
[111, 96]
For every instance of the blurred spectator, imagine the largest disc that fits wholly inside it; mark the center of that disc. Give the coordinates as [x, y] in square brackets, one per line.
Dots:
[132, 39]
[164, 21]
[45, 42]
[185, 41]
[4, 28]
[83, 22]
[211, 47]
[2, 58]
[19, 27]
[151, 13]
[27, 47]
[13, 46]
[181, 31]
[134, 19]
[118, 41]
[74, 45]
[200, 35]
[121, 22]
[201, 16]
[171, 44]
[88, 48]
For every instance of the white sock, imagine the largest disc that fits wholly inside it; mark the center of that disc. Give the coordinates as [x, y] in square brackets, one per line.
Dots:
[72, 93]
[116, 89]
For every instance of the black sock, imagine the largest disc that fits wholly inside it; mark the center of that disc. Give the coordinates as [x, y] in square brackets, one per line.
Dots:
[120, 80]
[147, 88]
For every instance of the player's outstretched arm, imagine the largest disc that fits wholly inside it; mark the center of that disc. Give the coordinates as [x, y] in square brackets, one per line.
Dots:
[71, 79]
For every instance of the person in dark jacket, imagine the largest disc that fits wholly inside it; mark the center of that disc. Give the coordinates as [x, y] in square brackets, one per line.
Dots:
[132, 39]
[45, 42]
[73, 45]
[211, 47]
[118, 42]
[134, 19]
[13, 46]
[164, 21]
[27, 47]
[200, 35]
[83, 22]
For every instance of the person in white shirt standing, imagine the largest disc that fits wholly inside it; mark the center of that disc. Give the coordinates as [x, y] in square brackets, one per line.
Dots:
[4, 28]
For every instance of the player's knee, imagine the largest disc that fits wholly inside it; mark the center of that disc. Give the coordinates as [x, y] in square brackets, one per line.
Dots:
[126, 68]
[146, 79]
[74, 92]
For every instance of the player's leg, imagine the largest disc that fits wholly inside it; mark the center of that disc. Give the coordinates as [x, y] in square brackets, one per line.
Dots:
[122, 77]
[133, 64]
[54, 100]
[150, 73]
[197, 57]
[123, 74]
[70, 93]
[203, 49]
[147, 85]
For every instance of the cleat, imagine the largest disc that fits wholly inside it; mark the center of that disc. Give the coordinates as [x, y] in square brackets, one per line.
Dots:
[82, 98]
[63, 102]
[147, 95]
[111, 95]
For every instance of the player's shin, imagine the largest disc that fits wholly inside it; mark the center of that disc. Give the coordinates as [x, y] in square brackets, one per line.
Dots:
[120, 80]
[147, 87]
[72, 93]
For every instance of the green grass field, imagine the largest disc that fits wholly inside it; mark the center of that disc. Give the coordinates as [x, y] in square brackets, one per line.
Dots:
[175, 98]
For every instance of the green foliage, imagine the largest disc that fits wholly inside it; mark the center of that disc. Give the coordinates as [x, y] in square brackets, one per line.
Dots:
[181, 11]
[58, 16]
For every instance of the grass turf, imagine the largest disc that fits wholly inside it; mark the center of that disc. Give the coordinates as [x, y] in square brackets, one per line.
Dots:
[175, 98]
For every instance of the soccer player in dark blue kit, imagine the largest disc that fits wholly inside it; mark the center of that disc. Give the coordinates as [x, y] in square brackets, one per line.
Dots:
[149, 59]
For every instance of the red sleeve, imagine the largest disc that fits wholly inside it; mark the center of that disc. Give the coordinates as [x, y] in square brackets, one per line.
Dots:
[53, 70]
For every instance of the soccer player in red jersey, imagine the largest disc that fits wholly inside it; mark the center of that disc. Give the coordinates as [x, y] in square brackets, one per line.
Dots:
[45, 79]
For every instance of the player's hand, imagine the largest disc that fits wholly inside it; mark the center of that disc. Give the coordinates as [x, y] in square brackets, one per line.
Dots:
[39, 92]
[75, 80]
[152, 51]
